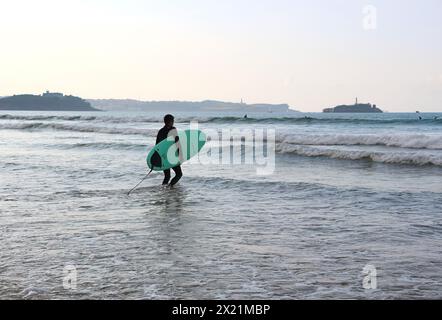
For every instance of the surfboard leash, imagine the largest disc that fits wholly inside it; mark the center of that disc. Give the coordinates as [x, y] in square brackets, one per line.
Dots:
[139, 183]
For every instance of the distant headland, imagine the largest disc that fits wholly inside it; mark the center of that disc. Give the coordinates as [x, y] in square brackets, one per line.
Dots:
[176, 106]
[355, 108]
[48, 101]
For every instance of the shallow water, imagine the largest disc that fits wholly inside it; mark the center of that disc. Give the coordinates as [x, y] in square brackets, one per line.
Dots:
[347, 191]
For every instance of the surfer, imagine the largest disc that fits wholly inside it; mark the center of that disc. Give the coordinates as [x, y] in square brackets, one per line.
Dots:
[169, 130]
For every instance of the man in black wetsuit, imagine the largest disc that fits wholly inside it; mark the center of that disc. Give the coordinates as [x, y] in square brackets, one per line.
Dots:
[162, 135]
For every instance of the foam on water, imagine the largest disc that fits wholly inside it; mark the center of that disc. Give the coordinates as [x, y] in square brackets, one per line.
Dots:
[400, 140]
[76, 128]
[392, 157]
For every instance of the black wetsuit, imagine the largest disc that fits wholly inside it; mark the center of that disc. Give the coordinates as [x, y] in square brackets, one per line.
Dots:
[162, 135]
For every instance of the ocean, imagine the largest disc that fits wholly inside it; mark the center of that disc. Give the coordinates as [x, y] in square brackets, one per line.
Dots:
[351, 208]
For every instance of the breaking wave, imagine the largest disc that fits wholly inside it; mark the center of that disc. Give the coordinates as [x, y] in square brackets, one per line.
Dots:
[310, 120]
[230, 119]
[399, 157]
[76, 128]
[413, 141]
[400, 147]
[41, 118]
[105, 145]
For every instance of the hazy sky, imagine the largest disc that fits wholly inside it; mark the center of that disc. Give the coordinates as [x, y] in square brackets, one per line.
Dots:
[311, 54]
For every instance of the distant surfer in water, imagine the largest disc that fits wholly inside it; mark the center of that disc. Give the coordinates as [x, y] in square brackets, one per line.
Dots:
[419, 117]
[169, 130]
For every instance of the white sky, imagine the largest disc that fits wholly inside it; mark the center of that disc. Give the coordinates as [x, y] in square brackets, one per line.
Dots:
[311, 54]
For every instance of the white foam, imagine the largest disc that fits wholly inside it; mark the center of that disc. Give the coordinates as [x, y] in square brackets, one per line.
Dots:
[396, 157]
[414, 141]
[77, 128]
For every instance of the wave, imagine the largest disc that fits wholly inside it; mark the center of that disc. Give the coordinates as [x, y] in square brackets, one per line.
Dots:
[310, 120]
[228, 119]
[105, 145]
[412, 141]
[42, 118]
[410, 158]
[65, 127]
[104, 119]
[390, 157]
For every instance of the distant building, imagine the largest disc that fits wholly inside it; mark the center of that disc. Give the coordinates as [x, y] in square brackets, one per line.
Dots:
[48, 94]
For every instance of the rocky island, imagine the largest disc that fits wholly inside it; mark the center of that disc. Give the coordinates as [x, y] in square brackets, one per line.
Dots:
[48, 101]
[355, 108]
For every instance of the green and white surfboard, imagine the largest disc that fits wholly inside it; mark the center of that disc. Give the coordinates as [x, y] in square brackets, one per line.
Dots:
[165, 154]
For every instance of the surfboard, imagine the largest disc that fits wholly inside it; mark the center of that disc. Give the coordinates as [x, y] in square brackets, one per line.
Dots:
[165, 154]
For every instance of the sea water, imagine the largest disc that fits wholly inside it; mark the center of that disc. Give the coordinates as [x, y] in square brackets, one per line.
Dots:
[348, 192]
